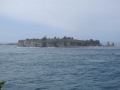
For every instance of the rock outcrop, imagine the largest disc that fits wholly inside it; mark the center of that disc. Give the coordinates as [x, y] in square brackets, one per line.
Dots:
[26, 43]
[57, 43]
[110, 43]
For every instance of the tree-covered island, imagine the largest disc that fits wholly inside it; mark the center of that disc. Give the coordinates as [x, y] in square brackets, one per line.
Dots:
[57, 42]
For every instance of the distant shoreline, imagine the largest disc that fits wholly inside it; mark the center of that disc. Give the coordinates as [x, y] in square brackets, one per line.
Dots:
[8, 43]
[57, 42]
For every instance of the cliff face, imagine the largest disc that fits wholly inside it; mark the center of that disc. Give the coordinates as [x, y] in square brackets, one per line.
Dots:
[25, 43]
[33, 43]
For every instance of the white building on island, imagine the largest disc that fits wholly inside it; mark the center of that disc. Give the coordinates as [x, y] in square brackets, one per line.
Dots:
[110, 43]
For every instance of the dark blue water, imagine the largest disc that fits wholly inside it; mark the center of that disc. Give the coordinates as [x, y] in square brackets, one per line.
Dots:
[90, 68]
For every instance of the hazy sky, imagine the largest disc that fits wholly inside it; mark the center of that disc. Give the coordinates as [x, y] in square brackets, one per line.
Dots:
[81, 19]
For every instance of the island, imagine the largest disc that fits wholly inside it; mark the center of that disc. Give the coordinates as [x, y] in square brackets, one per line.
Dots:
[57, 42]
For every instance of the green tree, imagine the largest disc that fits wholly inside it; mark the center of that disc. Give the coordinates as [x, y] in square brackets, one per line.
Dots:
[44, 38]
[55, 37]
[27, 39]
[1, 83]
[64, 37]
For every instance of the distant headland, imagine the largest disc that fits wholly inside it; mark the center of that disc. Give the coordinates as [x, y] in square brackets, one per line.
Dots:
[57, 42]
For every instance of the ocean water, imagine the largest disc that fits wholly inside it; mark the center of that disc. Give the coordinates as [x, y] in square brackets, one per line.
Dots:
[85, 68]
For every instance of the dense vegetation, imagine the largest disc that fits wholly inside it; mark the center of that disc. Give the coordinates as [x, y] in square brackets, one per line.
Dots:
[1, 83]
[65, 40]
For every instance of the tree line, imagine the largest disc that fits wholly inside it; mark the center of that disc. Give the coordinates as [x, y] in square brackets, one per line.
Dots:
[66, 40]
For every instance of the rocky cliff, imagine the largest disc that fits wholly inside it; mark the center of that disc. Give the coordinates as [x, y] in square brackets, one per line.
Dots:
[25, 43]
[57, 43]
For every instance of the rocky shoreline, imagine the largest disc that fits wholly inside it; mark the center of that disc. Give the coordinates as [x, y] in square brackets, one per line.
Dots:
[54, 42]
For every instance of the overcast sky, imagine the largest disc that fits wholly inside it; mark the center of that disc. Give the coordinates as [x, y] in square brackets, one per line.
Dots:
[81, 19]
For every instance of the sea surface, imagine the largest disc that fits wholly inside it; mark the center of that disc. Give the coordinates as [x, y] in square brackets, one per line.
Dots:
[85, 68]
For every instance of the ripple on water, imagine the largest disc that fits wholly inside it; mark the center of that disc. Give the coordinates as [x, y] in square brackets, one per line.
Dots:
[60, 68]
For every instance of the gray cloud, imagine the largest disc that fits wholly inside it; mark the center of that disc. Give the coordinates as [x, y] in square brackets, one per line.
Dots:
[64, 14]
[83, 19]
